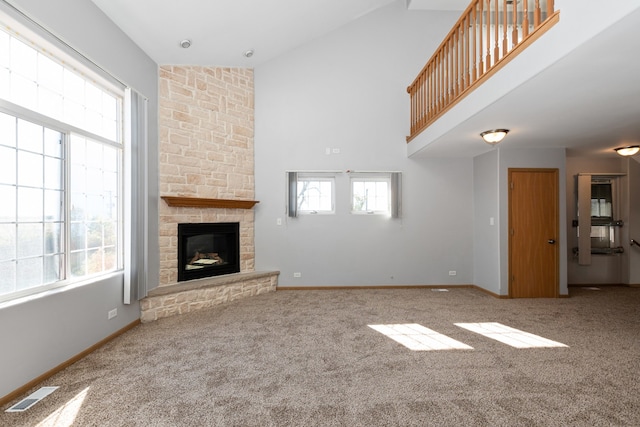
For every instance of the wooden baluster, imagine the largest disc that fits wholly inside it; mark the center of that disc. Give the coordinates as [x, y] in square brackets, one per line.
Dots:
[536, 14]
[425, 97]
[434, 83]
[525, 18]
[463, 69]
[467, 51]
[443, 70]
[434, 94]
[419, 119]
[488, 24]
[417, 102]
[480, 41]
[411, 107]
[418, 106]
[514, 35]
[445, 66]
[473, 34]
[450, 78]
[504, 28]
[550, 8]
[452, 74]
[440, 81]
[447, 71]
[429, 90]
[425, 93]
[496, 24]
[456, 63]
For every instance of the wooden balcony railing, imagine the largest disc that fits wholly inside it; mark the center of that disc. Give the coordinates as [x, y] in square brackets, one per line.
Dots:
[488, 34]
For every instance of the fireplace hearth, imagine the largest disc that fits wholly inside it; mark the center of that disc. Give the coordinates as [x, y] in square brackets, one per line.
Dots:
[208, 249]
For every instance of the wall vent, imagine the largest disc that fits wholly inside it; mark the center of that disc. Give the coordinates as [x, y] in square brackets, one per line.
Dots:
[32, 399]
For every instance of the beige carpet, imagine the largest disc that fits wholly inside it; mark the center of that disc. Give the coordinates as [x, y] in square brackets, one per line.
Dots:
[308, 358]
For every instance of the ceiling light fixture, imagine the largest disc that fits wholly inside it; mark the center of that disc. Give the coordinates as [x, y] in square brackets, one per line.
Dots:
[628, 151]
[248, 53]
[185, 44]
[492, 137]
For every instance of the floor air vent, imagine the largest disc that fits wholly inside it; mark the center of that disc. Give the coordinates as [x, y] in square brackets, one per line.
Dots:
[32, 399]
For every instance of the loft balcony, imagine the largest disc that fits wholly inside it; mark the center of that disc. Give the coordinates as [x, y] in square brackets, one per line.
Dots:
[487, 35]
[555, 79]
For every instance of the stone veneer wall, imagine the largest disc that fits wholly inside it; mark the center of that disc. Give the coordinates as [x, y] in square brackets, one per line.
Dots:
[206, 150]
[166, 301]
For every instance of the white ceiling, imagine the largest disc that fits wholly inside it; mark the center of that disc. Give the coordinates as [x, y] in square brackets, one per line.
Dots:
[592, 103]
[222, 30]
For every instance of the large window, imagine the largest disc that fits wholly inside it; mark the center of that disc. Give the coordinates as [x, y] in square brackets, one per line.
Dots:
[60, 170]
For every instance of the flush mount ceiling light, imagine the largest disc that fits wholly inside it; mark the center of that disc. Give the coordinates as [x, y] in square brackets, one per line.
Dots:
[185, 44]
[492, 137]
[628, 151]
[248, 53]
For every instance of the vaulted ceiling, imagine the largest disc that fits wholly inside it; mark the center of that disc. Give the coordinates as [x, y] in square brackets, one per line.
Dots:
[591, 104]
[221, 31]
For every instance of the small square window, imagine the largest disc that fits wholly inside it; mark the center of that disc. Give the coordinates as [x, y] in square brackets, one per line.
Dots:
[371, 193]
[376, 193]
[310, 193]
[315, 194]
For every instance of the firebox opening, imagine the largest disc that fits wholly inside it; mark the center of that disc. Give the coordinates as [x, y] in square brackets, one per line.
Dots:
[208, 249]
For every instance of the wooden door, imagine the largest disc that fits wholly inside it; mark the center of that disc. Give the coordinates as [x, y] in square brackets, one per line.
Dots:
[533, 233]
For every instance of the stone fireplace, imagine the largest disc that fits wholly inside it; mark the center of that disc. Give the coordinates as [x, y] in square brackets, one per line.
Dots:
[206, 154]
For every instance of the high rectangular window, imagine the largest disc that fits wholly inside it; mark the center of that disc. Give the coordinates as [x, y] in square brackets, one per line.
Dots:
[315, 194]
[378, 193]
[371, 194]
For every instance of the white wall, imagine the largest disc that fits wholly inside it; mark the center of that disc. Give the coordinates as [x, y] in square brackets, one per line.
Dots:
[486, 216]
[347, 90]
[40, 333]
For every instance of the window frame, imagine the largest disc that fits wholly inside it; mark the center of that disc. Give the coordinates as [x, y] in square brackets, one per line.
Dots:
[319, 178]
[376, 177]
[68, 59]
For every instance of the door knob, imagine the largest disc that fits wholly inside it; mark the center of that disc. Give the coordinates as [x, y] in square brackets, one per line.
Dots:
[551, 241]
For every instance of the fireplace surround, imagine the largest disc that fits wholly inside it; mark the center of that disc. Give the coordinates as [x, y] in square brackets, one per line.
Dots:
[208, 249]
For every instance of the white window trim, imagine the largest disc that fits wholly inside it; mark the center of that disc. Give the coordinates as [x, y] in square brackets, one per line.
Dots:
[292, 178]
[22, 27]
[319, 177]
[371, 177]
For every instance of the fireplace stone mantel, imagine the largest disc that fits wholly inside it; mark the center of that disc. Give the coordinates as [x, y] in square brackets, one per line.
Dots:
[199, 202]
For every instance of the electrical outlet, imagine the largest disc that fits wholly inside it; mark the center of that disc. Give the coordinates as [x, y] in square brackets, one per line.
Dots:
[452, 273]
[279, 221]
[297, 274]
[112, 313]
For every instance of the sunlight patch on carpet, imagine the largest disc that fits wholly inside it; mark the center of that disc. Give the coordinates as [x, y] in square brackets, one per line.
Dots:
[510, 336]
[418, 338]
[66, 414]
